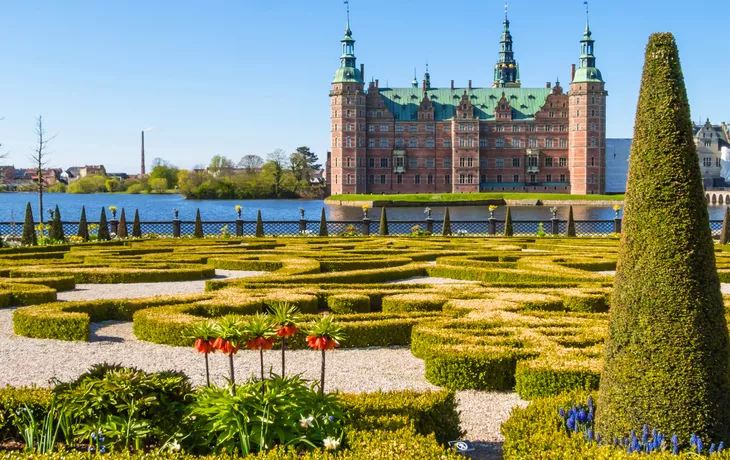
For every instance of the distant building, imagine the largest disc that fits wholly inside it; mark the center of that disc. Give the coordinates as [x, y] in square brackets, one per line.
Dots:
[75, 173]
[118, 176]
[617, 164]
[710, 139]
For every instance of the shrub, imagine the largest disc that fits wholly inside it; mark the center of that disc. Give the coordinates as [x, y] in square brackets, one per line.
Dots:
[122, 226]
[56, 231]
[412, 302]
[570, 227]
[725, 234]
[83, 231]
[323, 225]
[446, 228]
[259, 225]
[666, 358]
[541, 377]
[476, 370]
[103, 234]
[198, 230]
[136, 225]
[383, 231]
[348, 303]
[508, 230]
[29, 237]
[12, 400]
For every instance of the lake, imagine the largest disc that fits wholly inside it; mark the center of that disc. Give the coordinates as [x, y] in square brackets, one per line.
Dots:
[160, 208]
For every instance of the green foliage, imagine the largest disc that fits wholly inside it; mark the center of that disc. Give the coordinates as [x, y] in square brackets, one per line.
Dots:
[164, 172]
[570, 228]
[29, 236]
[56, 231]
[538, 378]
[725, 234]
[323, 224]
[259, 225]
[473, 371]
[348, 303]
[446, 230]
[383, 231]
[412, 302]
[103, 234]
[122, 226]
[136, 225]
[666, 357]
[83, 231]
[508, 230]
[198, 231]
[12, 400]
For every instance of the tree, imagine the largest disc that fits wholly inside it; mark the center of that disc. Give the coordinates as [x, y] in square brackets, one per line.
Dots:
[508, 230]
[666, 356]
[112, 185]
[56, 231]
[323, 224]
[83, 231]
[303, 164]
[164, 170]
[570, 227]
[29, 236]
[446, 228]
[39, 158]
[220, 166]
[383, 230]
[122, 226]
[198, 230]
[136, 225]
[159, 185]
[275, 166]
[725, 234]
[103, 234]
[251, 163]
[259, 225]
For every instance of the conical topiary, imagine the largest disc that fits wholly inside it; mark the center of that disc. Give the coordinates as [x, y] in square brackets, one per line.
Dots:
[383, 231]
[259, 225]
[136, 225]
[323, 225]
[666, 356]
[122, 226]
[29, 236]
[725, 234]
[570, 227]
[83, 231]
[56, 231]
[446, 227]
[508, 230]
[198, 230]
[103, 234]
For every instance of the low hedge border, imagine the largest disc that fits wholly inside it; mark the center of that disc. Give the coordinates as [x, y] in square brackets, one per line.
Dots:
[22, 294]
[412, 302]
[117, 274]
[348, 303]
[539, 377]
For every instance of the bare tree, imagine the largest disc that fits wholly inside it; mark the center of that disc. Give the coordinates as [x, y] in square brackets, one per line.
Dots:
[39, 158]
[251, 163]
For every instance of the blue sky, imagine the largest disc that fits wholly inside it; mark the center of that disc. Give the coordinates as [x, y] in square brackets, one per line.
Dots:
[249, 76]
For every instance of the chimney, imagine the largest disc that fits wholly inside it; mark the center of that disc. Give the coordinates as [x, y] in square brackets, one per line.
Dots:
[142, 169]
[452, 85]
[469, 85]
[548, 85]
[424, 84]
[362, 71]
[377, 83]
[572, 73]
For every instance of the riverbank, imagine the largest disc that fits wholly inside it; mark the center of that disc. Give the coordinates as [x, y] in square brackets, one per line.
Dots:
[475, 199]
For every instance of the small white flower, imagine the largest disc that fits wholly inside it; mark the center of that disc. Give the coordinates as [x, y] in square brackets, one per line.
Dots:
[331, 443]
[174, 445]
[306, 422]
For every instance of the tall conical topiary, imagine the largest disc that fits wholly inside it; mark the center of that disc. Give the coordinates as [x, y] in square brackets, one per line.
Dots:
[259, 225]
[725, 234]
[56, 231]
[103, 227]
[323, 225]
[29, 236]
[383, 231]
[122, 226]
[198, 230]
[570, 227]
[666, 356]
[508, 230]
[83, 231]
[136, 225]
[446, 227]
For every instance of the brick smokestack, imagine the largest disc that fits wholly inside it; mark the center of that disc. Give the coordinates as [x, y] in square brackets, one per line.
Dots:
[452, 85]
[142, 170]
[362, 71]
[572, 73]
[469, 85]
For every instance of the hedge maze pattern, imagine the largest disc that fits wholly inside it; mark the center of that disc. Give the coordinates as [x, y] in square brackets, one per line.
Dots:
[530, 314]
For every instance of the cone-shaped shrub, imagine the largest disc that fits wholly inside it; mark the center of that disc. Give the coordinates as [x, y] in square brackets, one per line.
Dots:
[136, 226]
[725, 234]
[446, 227]
[383, 231]
[83, 231]
[323, 225]
[666, 357]
[122, 227]
[570, 227]
[29, 236]
[103, 227]
[508, 231]
[198, 230]
[56, 232]
[259, 225]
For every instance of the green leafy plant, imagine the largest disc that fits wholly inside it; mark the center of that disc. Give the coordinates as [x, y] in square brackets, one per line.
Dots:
[383, 231]
[29, 235]
[83, 231]
[103, 234]
[230, 333]
[324, 334]
[259, 225]
[323, 224]
[122, 226]
[40, 430]
[285, 318]
[204, 335]
[541, 230]
[136, 225]
[198, 230]
[260, 335]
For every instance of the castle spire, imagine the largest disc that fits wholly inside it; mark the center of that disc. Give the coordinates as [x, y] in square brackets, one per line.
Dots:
[506, 72]
[348, 71]
[587, 71]
[414, 83]
[427, 77]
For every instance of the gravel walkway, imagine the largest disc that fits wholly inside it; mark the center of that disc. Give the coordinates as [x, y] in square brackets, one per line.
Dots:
[430, 280]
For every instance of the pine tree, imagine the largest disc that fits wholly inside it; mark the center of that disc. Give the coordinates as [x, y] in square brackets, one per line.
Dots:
[570, 227]
[323, 225]
[508, 230]
[103, 234]
[29, 236]
[259, 225]
[666, 356]
[122, 227]
[198, 231]
[446, 227]
[56, 232]
[383, 231]
[725, 234]
[83, 231]
[136, 225]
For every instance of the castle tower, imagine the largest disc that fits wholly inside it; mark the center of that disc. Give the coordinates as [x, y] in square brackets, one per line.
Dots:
[507, 71]
[347, 100]
[587, 151]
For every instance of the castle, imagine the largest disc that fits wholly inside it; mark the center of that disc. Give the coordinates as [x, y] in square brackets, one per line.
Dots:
[423, 139]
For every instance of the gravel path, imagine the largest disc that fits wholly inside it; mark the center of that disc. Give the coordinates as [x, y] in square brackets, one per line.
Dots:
[430, 280]
[140, 290]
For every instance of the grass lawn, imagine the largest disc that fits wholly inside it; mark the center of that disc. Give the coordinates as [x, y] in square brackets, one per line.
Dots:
[441, 197]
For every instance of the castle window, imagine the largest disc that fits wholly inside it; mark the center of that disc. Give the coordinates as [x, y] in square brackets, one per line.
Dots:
[399, 179]
[470, 179]
[707, 162]
[515, 129]
[531, 128]
[516, 178]
[349, 113]
[413, 162]
[447, 179]
[412, 128]
[708, 143]
[349, 142]
[562, 178]
[483, 163]
[533, 178]
[413, 142]
[399, 143]
[577, 113]
[337, 141]
[563, 128]
[430, 143]
[499, 129]
[447, 163]
[565, 114]
[563, 143]
[563, 162]
[516, 163]
[499, 178]
[499, 162]
[549, 142]
[348, 162]
[335, 178]
[371, 162]
[516, 144]
[447, 128]
[593, 100]
[548, 162]
[548, 178]
[593, 161]
[593, 179]
[593, 126]
[447, 142]
[349, 100]
[336, 161]
[371, 179]
[430, 162]
[417, 179]
[483, 142]
[532, 143]
[384, 128]
[430, 179]
[577, 100]
[384, 143]
[462, 162]
[470, 162]
[462, 142]
[470, 142]
[717, 164]
[500, 142]
[383, 179]
[484, 178]
[462, 178]
[371, 128]
[399, 128]
[593, 142]
[593, 113]
[384, 162]
[360, 141]
[379, 115]
[430, 128]
[552, 114]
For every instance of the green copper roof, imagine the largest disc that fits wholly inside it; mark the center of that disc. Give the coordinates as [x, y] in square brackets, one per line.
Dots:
[404, 102]
[588, 75]
[347, 75]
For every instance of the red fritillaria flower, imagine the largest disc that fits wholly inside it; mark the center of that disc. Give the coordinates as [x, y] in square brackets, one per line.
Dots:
[260, 343]
[218, 343]
[287, 331]
[202, 345]
[322, 343]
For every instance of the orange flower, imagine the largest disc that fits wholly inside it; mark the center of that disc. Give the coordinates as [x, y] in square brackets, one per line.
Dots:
[218, 343]
[321, 343]
[260, 343]
[287, 331]
[202, 345]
